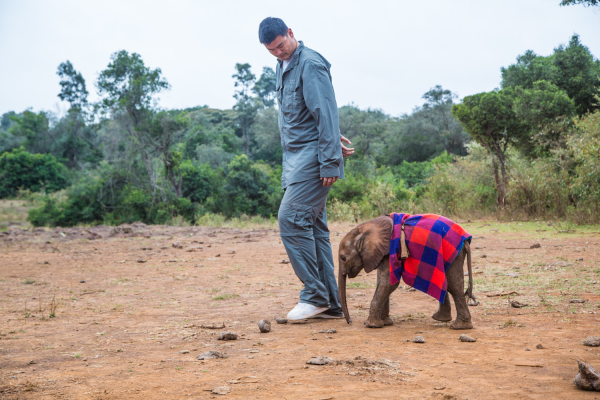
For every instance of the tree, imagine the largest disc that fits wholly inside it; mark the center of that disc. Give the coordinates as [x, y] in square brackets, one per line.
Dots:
[33, 129]
[246, 105]
[129, 89]
[365, 128]
[20, 169]
[491, 120]
[129, 85]
[572, 68]
[587, 3]
[72, 86]
[548, 112]
[265, 87]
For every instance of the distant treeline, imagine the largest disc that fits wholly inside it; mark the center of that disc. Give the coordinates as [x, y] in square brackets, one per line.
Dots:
[518, 150]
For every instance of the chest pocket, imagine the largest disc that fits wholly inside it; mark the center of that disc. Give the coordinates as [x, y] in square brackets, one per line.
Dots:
[287, 96]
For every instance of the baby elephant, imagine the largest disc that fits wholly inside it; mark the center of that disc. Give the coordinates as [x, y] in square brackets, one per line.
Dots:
[367, 246]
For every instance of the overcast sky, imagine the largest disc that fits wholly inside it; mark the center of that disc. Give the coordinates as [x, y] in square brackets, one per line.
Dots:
[384, 54]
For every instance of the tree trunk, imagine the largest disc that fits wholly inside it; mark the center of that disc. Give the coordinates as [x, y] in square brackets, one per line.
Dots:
[500, 192]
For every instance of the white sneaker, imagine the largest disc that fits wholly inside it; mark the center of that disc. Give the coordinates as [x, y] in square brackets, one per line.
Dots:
[305, 310]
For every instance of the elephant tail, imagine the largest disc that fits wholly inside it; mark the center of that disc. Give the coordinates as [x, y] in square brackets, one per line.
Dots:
[469, 291]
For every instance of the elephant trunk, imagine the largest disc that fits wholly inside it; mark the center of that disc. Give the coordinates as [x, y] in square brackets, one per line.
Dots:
[342, 288]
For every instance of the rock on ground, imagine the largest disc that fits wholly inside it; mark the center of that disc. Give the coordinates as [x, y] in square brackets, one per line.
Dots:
[227, 336]
[418, 339]
[587, 378]
[211, 355]
[264, 326]
[281, 320]
[592, 341]
[320, 361]
[467, 338]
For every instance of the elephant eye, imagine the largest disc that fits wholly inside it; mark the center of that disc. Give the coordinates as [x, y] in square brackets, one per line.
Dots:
[343, 258]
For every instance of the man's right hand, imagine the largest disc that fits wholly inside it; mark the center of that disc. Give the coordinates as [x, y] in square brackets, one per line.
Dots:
[329, 181]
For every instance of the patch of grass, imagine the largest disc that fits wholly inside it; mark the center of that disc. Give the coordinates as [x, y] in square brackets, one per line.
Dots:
[226, 296]
[28, 281]
[359, 285]
[178, 368]
[510, 323]
[77, 355]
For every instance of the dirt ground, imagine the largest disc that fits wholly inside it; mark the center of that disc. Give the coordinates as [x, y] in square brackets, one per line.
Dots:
[130, 310]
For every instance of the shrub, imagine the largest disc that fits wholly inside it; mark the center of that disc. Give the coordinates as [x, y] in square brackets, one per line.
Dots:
[20, 169]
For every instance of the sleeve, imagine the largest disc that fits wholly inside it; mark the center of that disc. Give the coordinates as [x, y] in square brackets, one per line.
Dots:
[320, 100]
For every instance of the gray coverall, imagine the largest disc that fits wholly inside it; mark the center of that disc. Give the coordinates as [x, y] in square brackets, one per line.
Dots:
[310, 138]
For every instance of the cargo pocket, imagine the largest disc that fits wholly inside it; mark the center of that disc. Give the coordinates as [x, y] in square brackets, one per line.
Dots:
[302, 217]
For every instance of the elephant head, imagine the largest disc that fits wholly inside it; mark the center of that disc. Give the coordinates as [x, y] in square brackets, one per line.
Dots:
[363, 247]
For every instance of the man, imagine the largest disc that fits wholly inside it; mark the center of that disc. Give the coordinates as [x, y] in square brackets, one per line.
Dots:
[312, 162]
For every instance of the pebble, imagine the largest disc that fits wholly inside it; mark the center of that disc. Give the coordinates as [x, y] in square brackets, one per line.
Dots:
[467, 338]
[264, 326]
[577, 301]
[221, 390]
[184, 351]
[284, 261]
[320, 361]
[539, 346]
[527, 349]
[328, 331]
[177, 245]
[231, 252]
[592, 341]
[418, 339]
[82, 281]
[211, 355]
[281, 320]
[227, 336]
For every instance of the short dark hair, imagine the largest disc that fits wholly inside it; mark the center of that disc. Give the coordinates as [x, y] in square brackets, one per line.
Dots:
[270, 28]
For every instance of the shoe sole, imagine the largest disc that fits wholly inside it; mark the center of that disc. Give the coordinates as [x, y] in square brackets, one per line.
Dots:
[317, 311]
[326, 316]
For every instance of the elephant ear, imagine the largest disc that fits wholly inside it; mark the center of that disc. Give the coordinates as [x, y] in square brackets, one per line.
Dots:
[374, 242]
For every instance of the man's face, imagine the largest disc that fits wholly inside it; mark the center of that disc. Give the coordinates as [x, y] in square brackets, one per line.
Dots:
[283, 46]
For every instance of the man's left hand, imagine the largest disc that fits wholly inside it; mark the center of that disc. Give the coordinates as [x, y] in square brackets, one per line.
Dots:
[329, 181]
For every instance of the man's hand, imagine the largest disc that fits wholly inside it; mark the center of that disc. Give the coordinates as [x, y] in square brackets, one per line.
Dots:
[329, 181]
[345, 150]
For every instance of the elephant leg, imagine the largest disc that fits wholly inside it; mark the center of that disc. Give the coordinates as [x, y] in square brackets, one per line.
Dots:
[444, 312]
[456, 287]
[385, 313]
[380, 305]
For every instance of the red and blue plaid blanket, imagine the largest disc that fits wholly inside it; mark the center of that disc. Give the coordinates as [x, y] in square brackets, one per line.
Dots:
[433, 243]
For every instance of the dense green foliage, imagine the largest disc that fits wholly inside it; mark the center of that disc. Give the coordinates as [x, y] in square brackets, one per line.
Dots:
[527, 150]
[20, 169]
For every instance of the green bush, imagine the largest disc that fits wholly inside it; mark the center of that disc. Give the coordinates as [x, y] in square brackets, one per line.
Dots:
[20, 169]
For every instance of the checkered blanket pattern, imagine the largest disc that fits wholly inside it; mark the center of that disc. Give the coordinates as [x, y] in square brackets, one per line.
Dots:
[433, 243]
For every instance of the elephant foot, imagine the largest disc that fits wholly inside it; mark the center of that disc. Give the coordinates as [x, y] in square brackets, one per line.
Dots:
[374, 323]
[442, 316]
[460, 324]
[388, 321]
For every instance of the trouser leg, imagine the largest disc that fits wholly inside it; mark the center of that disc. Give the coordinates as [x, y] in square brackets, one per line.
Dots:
[325, 263]
[301, 216]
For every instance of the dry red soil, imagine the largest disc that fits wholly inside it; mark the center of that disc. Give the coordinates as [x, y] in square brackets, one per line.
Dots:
[134, 328]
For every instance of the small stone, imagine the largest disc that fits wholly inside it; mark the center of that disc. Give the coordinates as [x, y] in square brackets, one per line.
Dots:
[231, 252]
[418, 339]
[539, 346]
[82, 281]
[527, 349]
[320, 361]
[328, 331]
[577, 301]
[483, 256]
[467, 338]
[264, 326]
[141, 260]
[281, 320]
[592, 341]
[222, 390]
[184, 351]
[516, 304]
[211, 355]
[227, 336]
[284, 261]
[177, 245]
[535, 246]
